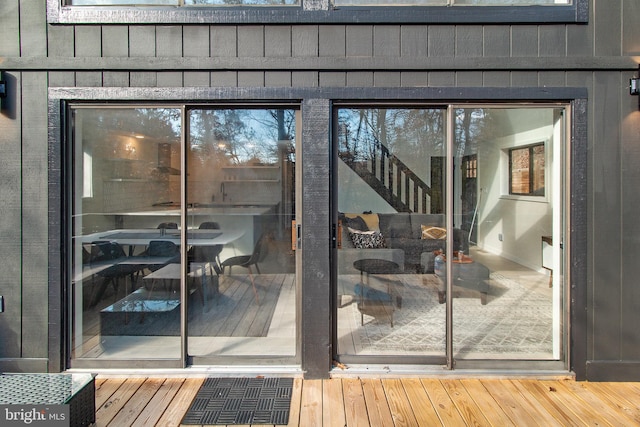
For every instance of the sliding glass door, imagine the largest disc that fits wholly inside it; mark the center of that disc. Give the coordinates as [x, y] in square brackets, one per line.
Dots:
[450, 230]
[181, 230]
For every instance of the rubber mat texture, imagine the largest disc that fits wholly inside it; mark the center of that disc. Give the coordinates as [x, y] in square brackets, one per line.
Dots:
[241, 401]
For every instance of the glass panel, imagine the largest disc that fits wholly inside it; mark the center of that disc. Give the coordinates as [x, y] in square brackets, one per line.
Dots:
[243, 2]
[511, 2]
[124, 2]
[391, 203]
[240, 189]
[125, 180]
[505, 305]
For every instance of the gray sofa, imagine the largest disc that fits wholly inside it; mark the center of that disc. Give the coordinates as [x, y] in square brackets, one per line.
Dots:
[402, 233]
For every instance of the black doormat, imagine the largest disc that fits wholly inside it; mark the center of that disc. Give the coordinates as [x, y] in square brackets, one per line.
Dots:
[241, 401]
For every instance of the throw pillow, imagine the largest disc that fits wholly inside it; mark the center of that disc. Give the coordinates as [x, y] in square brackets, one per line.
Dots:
[367, 239]
[431, 232]
[357, 223]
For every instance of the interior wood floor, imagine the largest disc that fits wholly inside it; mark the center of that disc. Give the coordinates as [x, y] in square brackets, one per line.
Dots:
[392, 402]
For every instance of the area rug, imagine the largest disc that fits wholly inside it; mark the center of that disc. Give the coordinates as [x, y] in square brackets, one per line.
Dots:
[234, 401]
[515, 323]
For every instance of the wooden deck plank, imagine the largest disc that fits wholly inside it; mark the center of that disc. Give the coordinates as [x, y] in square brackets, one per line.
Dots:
[311, 403]
[515, 407]
[588, 416]
[467, 407]
[158, 403]
[420, 403]
[134, 406]
[396, 402]
[296, 398]
[377, 404]
[442, 403]
[620, 396]
[110, 408]
[399, 403]
[490, 408]
[333, 403]
[105, 388]
[172, 416]
[606, 413]
[355, 407]
[543, 393]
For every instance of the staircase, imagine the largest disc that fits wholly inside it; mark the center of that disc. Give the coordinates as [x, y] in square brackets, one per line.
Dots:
[391, 179]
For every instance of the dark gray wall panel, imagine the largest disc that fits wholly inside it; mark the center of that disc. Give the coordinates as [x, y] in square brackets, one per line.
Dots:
[34, 217]
[277, 41]
[386, 79]
[89, 78]
[196, 78]
[442, 40]
[142, 79]
[196, 41]
[224, 78]
[277, 79]
[497, 40]
[334, 79]
[62, 78]
[224, 41]
[251, 41]
[442, 78]
[606, 22]
[116, 78]
[304, 40]
[386, 40]
[630, 27]
[304, 79]
[359, 79]
[414, 40]
[524, 78]
[524, 40]
[359, 40]
[469, 78]
[10, 226]
[552, 79]
[251, 78]
[606, 223]
[60, 42]
[169, 79]
[496, 79]
[115, 41]
[10, 29]
[332, 40]
[630, 177]
[88, 39]
[142, 42]
[169, 41]
[414, 78]
[579, 40]
[33, 16]
[553, 40]
[469, 41]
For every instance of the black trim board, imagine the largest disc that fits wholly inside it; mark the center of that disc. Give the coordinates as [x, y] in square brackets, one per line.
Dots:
[576, 13]
[615, 370]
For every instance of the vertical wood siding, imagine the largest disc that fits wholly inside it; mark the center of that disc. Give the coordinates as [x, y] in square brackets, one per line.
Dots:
[614, 122]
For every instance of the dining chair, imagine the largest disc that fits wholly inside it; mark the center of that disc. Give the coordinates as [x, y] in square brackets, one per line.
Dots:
[258, 255]
[110, 252]
[207, 254]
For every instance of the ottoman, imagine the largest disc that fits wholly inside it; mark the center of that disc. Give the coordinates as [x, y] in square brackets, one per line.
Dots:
[467, 274]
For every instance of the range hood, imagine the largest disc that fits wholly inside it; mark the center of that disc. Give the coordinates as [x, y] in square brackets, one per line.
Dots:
[164, 160]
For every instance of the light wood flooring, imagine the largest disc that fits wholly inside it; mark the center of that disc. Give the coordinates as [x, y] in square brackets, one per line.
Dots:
[350, 402]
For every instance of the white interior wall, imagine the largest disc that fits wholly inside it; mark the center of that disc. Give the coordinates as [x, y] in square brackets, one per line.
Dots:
[512, 226]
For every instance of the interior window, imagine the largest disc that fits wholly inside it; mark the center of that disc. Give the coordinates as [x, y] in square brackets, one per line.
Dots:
[526, 170]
